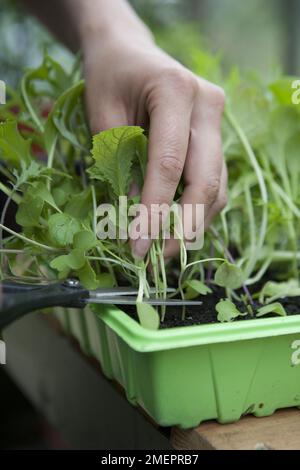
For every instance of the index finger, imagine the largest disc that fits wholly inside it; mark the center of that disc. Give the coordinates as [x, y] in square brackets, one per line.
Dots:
[170, 122]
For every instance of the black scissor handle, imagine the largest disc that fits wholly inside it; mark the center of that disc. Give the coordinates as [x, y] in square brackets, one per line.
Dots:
[18, 299]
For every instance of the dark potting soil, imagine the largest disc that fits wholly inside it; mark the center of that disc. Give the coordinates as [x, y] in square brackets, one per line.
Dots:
[206, 313]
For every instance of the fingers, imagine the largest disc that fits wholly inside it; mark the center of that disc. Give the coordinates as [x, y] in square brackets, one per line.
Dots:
[170, 107]
[205, 172]
[221, 200]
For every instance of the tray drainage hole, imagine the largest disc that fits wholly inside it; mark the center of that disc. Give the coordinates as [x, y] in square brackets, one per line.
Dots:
[261, 405]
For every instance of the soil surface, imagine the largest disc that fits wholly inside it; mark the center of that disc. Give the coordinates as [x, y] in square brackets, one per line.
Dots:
[206, 313]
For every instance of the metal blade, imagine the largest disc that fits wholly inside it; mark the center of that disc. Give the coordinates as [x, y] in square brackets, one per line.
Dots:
[120, 291]
[151, 301]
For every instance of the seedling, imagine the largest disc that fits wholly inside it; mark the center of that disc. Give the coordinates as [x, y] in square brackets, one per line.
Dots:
[255, 238]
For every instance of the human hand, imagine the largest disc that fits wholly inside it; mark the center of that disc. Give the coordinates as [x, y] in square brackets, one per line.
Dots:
[130, 81]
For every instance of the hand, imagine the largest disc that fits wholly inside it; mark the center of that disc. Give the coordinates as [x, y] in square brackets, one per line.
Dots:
[130, 81]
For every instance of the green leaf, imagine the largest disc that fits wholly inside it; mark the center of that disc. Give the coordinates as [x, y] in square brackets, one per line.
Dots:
[271, 308]
[282, 90]
[193, 288]
[114, 151]
[227, 311]
[62, 228]
[79, 205]
[87, 277]
[84, 240]
[14, 148]
[279, 290]
[41, 191]
[29, 211]
[105, 280]
[229, 276]
[64, 118]
[148, 316]
[60, 196]
[47, 80]
[74, 260]
[60, 263]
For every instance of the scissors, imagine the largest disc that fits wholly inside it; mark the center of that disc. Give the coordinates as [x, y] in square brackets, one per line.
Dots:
[17, 298]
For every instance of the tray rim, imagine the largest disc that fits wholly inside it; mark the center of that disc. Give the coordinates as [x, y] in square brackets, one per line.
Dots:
[141, 339]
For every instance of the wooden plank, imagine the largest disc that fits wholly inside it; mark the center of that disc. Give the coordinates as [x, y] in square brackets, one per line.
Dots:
[278, 432]
[85, 407]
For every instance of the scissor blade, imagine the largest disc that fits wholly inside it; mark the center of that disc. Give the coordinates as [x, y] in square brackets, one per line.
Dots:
[120, 291]
[151, 301]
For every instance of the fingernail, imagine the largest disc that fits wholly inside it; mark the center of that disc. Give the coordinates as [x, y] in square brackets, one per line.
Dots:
[141, 247]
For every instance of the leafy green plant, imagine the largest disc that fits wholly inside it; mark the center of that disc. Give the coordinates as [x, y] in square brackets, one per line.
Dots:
[58, 175]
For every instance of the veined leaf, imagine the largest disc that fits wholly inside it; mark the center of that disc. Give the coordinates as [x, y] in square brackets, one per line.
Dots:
[62, 228]
[114, 151]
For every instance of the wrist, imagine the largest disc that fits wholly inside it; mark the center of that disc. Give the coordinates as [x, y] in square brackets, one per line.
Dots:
[105, 21]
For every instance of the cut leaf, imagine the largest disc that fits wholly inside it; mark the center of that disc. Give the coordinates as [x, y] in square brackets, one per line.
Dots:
[278, 290]
[194, 287]
[271, 308]
[227, 311]
[148, 316]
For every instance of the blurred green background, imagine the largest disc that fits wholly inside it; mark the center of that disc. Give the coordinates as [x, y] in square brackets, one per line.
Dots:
[253, 34]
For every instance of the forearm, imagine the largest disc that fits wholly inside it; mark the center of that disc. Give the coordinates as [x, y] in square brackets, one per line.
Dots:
[74, 22]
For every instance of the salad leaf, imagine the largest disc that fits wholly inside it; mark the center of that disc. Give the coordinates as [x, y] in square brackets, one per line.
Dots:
[279, 290]
[148, 316]
[14, 148]
[227, 311]
[229, 275]
[114, 151]
[272, 308]
[194, 287]
[62, 228]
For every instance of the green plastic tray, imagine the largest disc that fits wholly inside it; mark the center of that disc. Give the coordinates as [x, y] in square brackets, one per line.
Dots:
[184, 376]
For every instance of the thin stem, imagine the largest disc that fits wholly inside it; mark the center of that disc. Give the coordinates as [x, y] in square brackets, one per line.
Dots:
[260, 177]
[27, 240]
[10, 193]
[29, 107]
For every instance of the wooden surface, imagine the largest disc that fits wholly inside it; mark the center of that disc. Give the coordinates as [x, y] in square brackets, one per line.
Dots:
[91, 413]
[278, 432]
[72, 394]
